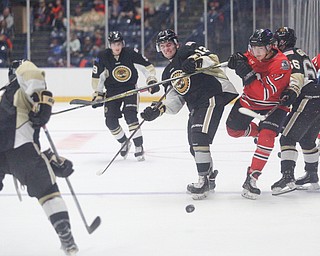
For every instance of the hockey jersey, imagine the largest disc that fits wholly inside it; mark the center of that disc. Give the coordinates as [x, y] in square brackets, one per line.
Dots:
[118, 74]
[195, 89]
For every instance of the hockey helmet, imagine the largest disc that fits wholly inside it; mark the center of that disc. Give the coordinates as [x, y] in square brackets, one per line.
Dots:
[13, 67]
[261, 37]
[285, 36]
[165, 36]
[115, 36]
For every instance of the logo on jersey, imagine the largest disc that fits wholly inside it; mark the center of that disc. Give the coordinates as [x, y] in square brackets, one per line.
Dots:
[121, 73]
[285, 65]
[181, 85]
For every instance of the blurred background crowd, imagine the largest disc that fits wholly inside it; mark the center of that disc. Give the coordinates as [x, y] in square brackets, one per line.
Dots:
[58, 28]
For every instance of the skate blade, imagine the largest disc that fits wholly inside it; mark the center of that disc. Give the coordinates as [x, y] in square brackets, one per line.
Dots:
[281, 191]
[247, 194]
[308, 186]
[199, 196]
[140, 158]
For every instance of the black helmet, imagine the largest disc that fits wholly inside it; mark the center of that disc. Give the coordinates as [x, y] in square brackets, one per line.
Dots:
[13, 67]
[165, 36]
[285, 36]
[261, 37]
[115, 36]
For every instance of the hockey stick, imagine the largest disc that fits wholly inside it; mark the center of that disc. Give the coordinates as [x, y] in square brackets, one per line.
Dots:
[97, 221]
[137, 90]
[132, 134]
[249, 112]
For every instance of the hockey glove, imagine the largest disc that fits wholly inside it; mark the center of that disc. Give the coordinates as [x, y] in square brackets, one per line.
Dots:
[1, 179]
[189, 66]
[62, 168]
[41, 112]
[288, 97]
[98, 96]
[236, 59]
[245, 71]
[152, 112]
[155, 88]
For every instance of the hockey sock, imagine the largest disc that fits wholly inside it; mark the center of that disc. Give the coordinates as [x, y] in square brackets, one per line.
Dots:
[311, 158]
[265, 145]
[203, 159]
[119, 134]
[137, 137]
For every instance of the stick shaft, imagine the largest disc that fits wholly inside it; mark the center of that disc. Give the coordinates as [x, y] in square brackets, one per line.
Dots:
[90, 229]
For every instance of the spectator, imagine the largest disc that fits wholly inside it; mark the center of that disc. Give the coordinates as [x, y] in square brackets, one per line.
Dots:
[42, 16]
[60, 22]
[5, 50]
[6, 15]
[115, 9]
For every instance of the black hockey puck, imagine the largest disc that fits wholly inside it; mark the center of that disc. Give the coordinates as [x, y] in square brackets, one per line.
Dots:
[190, 208]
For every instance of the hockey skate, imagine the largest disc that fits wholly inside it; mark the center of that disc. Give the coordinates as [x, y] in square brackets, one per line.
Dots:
[285, 185]
[212, 179]
[250, 189]
[125, 150]
[139, 154]
[308, 182]
[67, 242]
[200, 189]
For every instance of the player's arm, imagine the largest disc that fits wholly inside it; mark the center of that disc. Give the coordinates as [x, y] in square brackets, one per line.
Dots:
[147, 69]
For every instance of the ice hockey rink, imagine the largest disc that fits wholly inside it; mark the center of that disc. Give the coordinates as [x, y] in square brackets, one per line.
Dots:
[142, 204]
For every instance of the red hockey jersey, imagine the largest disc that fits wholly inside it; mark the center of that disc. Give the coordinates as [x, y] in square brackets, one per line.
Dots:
[273, 76]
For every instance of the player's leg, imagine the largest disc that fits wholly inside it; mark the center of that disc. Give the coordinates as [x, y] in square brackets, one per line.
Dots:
[130, 112]
[34, 171]
[269, 129]
[202, 126]
[112, 112]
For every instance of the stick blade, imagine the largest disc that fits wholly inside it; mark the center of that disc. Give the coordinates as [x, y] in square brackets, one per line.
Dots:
[95, 224]
[249, 112]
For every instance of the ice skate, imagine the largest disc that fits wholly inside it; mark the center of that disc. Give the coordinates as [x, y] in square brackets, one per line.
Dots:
[285, 185]
[200, 189]
[125, 150]
[308, 182]
[139, 154]
[70, 250]
[250, 189]
[67, 242]
[212, 179]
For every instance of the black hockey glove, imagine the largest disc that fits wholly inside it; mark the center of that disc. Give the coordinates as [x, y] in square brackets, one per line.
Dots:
[236, 59]
[98, 96]
[41, 112]
[152, 112]
[188, 66]
[288, 97]
[155, 88]
[245, 71]
[63, 168]
[1, 179]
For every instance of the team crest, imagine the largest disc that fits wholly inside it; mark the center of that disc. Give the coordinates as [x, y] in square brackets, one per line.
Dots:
[121, 73]
[181, 85]
[285, 65]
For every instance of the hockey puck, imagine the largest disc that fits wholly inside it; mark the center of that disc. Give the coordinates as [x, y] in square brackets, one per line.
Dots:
[190, 208]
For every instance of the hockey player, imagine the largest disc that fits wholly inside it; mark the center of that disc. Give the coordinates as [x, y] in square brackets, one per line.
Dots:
[25, 106]
[113, 73]
[265, 73]
[205, 94]
[303, 122]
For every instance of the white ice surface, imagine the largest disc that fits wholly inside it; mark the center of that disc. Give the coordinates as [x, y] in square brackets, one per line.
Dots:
[142, 204]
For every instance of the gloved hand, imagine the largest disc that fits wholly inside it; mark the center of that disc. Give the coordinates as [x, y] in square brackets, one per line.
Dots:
[245, 71]
[62, 168]
[155, 88]
[288, 97]
[152, 112]
[42, 107]
[189, 66]
[98, 96]
[236, 59]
